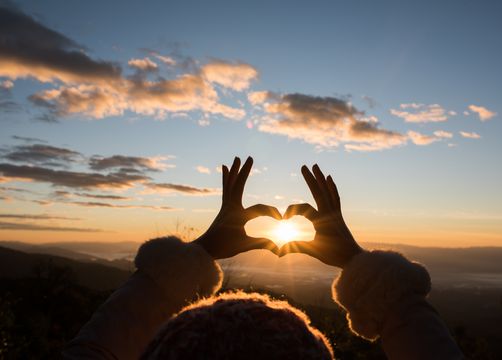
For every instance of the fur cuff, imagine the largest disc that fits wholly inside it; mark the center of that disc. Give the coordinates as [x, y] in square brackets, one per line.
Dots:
[372, 284]
[184, 271]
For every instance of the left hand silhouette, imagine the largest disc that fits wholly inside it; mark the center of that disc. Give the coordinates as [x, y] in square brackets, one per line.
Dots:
[226, 236]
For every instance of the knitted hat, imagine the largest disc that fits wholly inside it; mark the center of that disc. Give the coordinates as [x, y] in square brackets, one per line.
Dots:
[239, 325]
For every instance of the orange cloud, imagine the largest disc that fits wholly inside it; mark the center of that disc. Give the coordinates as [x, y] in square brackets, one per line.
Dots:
[185, 189]
[421, 139]
[470, 135]
[144, 64]
[235, 76]
[443, 134]
[483, 113]
[98, 89]
[325, 122]
[155, 98]
[203, 169]
[420, 113]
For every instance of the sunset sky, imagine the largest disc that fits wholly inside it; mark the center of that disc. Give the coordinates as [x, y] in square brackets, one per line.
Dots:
[117, 115]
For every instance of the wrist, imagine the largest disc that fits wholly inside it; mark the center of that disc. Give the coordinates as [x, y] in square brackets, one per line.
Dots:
[203, 242]
[356, 250]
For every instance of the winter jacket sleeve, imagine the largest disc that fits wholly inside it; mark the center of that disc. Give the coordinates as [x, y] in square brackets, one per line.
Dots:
[384, 295]
[170, 274]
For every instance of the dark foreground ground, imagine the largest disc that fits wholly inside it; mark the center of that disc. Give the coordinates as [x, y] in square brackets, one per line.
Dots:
[45, 299]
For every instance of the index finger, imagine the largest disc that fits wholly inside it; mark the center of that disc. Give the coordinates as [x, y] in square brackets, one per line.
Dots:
[262, 210]
[241, 178]
[314, 187]
[226, 190]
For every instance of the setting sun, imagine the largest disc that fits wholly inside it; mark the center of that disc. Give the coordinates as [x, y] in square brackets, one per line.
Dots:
[285, 232]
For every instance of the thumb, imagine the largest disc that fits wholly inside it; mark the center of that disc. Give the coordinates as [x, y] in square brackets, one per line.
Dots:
[253, 243]
[304, 247]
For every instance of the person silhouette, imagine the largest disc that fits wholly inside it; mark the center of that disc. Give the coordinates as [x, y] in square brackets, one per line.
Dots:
[167, 309]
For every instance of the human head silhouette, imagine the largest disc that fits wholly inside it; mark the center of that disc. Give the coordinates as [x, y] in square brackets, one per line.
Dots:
[239, 325]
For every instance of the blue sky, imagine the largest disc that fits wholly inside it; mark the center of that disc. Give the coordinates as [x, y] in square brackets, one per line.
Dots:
[422, 77]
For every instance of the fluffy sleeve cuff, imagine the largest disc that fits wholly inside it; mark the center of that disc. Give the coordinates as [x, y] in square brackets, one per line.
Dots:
[372, 284]
[183, 271]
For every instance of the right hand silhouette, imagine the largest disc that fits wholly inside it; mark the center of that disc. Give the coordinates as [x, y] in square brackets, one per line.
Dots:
[333, 243]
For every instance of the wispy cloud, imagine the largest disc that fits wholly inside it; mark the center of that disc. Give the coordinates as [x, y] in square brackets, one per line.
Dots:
[72, 179]
[16, 189]
[119, 206]
[167, 60]
[36, 217]
[483, 113]
[156, 163]
[323, 121]
[443, 134]
[61, 194]
[203, 169]
[421, 139]
[421, 113]
[103, 196]
[470, 135]
[186, 189]
[6, 84]
[42, 154]
[28, 139]
[145, 64]
[235, 76]
[36, 227]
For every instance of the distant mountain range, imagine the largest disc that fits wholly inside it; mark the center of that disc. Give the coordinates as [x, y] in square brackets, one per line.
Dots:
[444, 264]
[16, 264]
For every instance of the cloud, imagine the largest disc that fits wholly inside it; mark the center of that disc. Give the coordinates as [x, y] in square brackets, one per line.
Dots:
[370, 101]
[28, 139]
[36, 227]
[203, 169]
[9, 106]
[144, 65]
[236, 76]
[97, 89]
[117, 180]
[30, 49]
[130, 163]
[187, 92]
[443, 134]
[92, 100]
[470, 135]
[483, 113]
[258, 97]
[165, 59]
[421, 139]
[6, 84]
[325, 122]
[16, 189]
[36, 217]
[420, 113]
[58, 194]
[118, 206]
[186, 189]
[103, 196]
[42, 154]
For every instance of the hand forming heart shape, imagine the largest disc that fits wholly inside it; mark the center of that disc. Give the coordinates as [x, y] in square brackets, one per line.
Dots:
[281, 231]
[333, 243]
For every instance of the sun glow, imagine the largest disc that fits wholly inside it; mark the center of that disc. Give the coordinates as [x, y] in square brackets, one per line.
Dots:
[285, 232]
